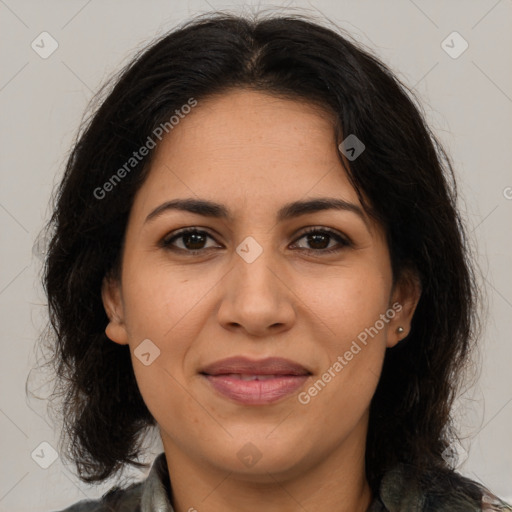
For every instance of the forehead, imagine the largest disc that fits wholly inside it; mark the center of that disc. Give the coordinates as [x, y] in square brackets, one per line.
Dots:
[246, 119]
[245, 145]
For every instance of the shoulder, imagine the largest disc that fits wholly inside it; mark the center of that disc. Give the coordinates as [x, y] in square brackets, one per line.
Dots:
[435, 490]
[115, 500]
[153, 493]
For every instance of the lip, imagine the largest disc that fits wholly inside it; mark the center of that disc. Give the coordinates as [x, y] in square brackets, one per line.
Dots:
[280, 378]
[244, 365]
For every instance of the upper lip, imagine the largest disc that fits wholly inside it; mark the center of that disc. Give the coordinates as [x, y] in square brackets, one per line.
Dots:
[247, 366]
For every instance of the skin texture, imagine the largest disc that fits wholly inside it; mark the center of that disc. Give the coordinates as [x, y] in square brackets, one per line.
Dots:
[253, 153]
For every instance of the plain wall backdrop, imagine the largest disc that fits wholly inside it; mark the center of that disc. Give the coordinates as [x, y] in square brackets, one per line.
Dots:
[467, 96]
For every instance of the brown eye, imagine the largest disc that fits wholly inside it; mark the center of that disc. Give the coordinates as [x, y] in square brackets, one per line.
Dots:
[193, 241]
[319, 240]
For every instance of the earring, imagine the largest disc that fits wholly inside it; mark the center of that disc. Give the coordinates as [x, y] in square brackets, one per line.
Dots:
[400, 330]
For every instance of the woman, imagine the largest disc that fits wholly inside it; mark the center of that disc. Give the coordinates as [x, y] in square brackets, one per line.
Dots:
[256, 249]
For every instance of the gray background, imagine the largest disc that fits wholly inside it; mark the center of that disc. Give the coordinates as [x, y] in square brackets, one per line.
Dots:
[468, 102]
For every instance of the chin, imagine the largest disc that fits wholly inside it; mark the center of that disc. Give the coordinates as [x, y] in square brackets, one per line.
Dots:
[255, 460]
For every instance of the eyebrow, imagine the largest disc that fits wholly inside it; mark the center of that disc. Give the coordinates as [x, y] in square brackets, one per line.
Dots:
[291, 210]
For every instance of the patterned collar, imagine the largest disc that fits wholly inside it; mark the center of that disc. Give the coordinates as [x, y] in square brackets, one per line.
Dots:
[435, 491]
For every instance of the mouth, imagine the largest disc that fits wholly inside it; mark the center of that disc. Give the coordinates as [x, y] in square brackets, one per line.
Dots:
[252, 382]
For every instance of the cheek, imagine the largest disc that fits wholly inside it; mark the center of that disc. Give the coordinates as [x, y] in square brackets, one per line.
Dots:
[345, 301]
[339, 396]
[349, 305]
[167, 318]
[161, 303]
[161, 315]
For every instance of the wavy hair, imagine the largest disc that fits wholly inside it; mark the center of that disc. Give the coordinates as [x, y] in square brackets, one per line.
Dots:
[404, 179]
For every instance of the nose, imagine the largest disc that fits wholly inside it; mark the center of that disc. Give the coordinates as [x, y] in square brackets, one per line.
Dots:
[256, 297]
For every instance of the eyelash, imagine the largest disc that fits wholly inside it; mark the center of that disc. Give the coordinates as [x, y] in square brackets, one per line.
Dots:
[166, 242]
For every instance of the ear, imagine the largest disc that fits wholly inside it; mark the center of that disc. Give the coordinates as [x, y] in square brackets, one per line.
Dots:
[111, 297]
[404, 299]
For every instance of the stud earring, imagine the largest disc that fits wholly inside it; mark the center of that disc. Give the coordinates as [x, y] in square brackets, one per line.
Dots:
[400, 330]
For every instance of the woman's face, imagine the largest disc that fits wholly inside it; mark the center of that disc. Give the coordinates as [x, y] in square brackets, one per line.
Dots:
[258, 286]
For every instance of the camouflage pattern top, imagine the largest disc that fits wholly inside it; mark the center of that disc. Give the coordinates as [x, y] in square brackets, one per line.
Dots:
[434, 492]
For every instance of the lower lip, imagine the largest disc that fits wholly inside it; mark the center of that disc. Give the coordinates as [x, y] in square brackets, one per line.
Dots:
[256, 392]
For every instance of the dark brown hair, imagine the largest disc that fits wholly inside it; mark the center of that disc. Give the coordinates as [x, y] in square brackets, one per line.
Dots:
[404, 179]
